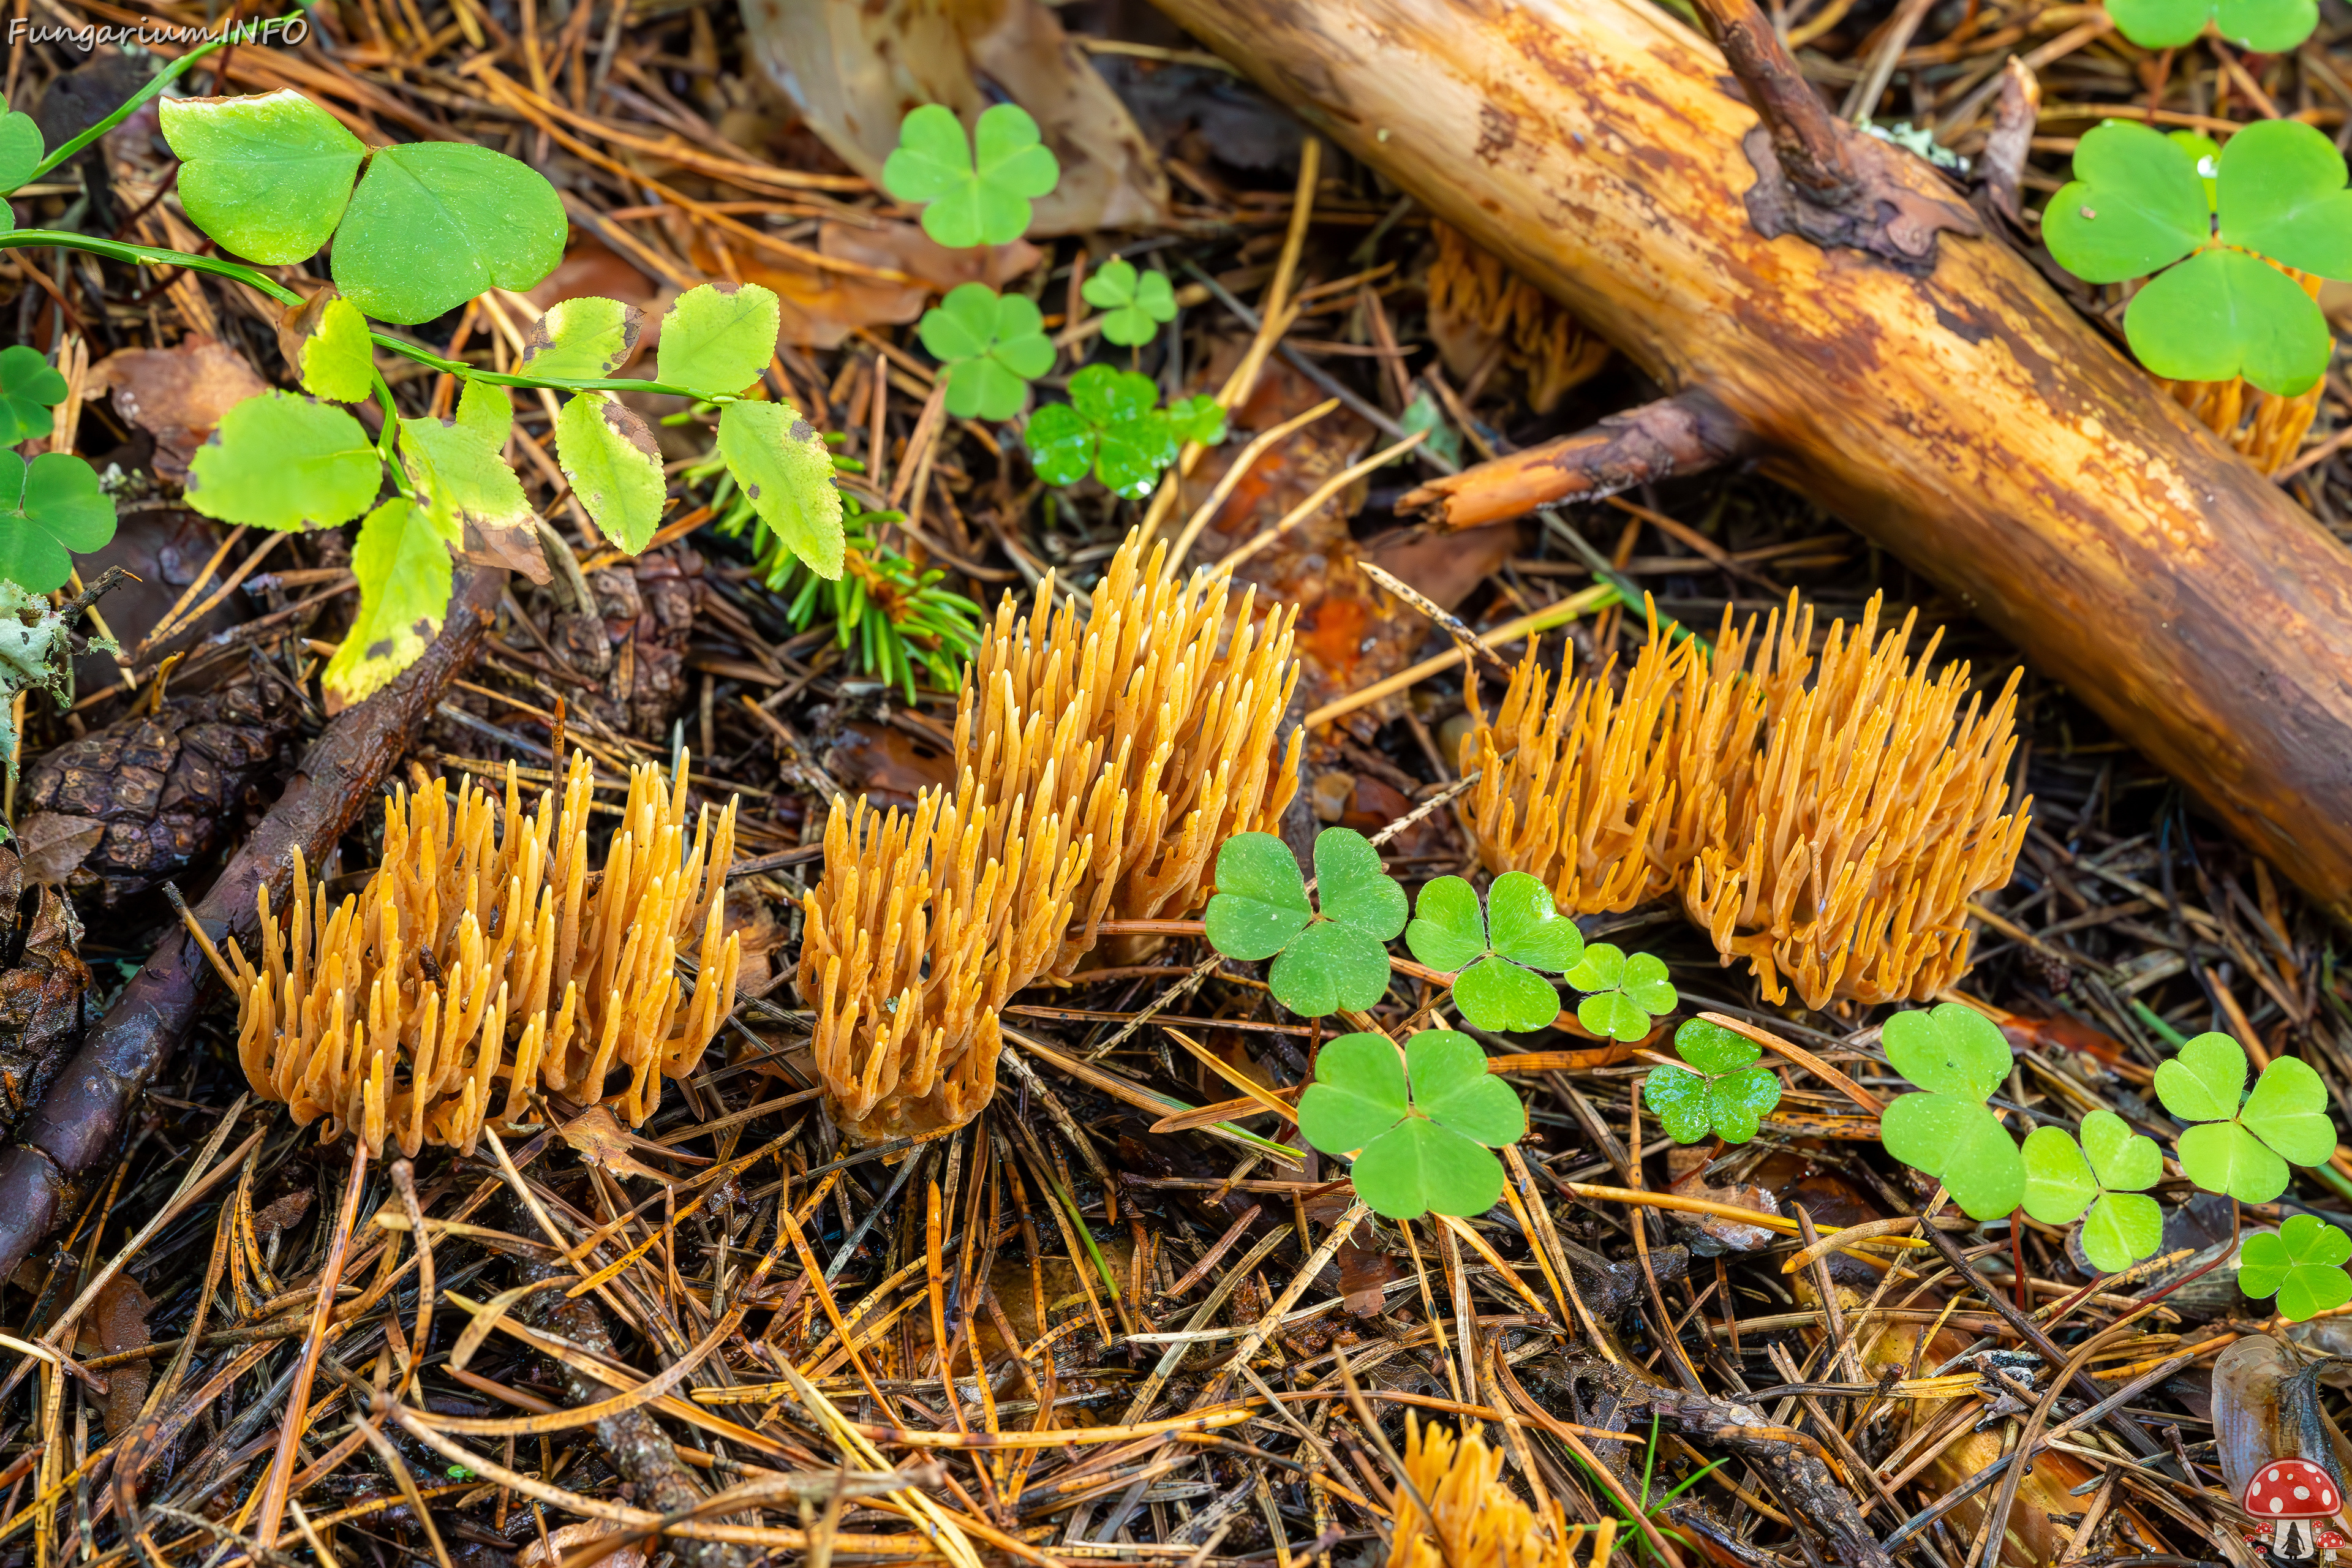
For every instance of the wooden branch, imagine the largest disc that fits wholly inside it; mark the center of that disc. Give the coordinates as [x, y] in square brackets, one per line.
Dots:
[1685, 435]
[1951, 406]
[1806, 138]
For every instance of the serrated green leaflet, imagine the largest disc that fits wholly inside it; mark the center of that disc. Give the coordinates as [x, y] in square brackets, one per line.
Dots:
[2135, 205]
[993, 346]
[608, 453]
[1133, 304]
[2058, 1182]
[1111, 423]
[2282, 193]
[978, 192]
[50, 509]
[786, 472]
[2301, 1263]
[433, 224]
[1358, 1094]
[460, 478]
[1727, 1095]
[29, 387]
[589, 338]
[1261, 898]
[1627, 991]
[718, 338]
[487, 411]
[1948, 1049]
[20, 151]
[401, 562]
[282, 461]
[1960, 1142]
[268, 176]
[337, 360]
[1421, 1153]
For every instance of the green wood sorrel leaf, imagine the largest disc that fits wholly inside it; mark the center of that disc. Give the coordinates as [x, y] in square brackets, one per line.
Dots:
[1133, 304]
[2135, 205]
[1494, 986]
[2244, 1150]
[993, 346]
[401, 562]
[267, 177]
[462, 478]
[1959, 1057]
[1112, 423]
[485, 408]
[786, 470]
[29, 387]
[325, 340]
[1323, 962]
[589, 338]
[978, 192]
[2207, 1079]
[2058, 1182]
[2288, 1110]
[2123, 1161]
[718, 338]
[2206, 153]
[1723, 1092]
[608, 453]
[1448, 929]
[2223, 313]
[2264, 26]
[1429, 1154]
[2121, 1229]
[2281, 193]
[20, 152]
[50, 509]
[1261, 899]
[1199, 419]
[2302, 1263]
[282, 461]
[1626, 991]
[1352, 888]
[433, 224]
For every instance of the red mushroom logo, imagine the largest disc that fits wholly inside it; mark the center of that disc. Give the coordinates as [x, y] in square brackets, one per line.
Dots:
[2289, 1498]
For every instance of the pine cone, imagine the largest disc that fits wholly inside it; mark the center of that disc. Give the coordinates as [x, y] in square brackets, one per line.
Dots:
[167, 786]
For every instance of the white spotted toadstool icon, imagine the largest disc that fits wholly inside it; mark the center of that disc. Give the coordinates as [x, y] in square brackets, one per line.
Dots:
[2290, 1498]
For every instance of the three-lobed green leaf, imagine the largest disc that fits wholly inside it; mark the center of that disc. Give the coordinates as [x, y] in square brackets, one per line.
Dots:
[1134, 304]
[29, 387]
[50, 509]
[2243, 1149]
[1494, 983]
[1959, 1057]
[1420, 1127]
[1722, 1091]
[282, 461]
[1626, 991]
[1322, 963]
[2104, 1174]
[992, 345]
[977, 191]
[2301, 1263]
[2264, 26]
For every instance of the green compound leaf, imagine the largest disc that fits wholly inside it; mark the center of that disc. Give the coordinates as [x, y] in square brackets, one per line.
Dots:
[1420, 1168]
[1448, 930]
[1627, 991]
[1613, 1016]
[2123, 1161]
[1960, 1143]
[332, 355]
[2266, 27]
[786, 470]
[1739, 1103]
[2135, 205]
[282, 461]
[2206, 153]
[2223, 313]
[608, 453]
[1452, 1087]
[1712, 1048]
[1134, 305]
[1529, 927]
[1646, 983]
[1358, 1094]
[2223, 1157]
[1111, 423]
[1199, 419]
[1495, 994]
[1948, 1049]
[1679, 1101]
[994, 345]
[2121, 1229]
[2288, 1110]
[462, 475]
[29, 387]
[1603, 968]
[433, 224]
[401, 562]
[50, 509]
[1261, 899]
[2206, 1080]
[485, 408]
[2301, 1263]
[266, 177]
[2282, 193]
[589, 338]
[1328, 966]
[977, 194]
[2058, 1182]
[718, 338]
[1353, 889]
[20, 151]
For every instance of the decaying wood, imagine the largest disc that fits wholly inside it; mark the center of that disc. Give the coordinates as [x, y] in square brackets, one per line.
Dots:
[1964, 416]
[1682, 434]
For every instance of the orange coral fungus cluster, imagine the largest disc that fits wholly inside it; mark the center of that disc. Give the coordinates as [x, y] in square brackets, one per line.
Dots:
[1100, 765]
[396, 1012]
[1478, 308]
[1827, 823]
[1476, 1521]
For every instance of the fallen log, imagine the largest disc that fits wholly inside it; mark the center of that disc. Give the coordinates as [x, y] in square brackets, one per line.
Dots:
[1930, 387]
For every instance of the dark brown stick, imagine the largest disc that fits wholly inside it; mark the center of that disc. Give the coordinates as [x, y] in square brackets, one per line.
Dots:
[1685, 435]
[1805, 136]
[76, 1124]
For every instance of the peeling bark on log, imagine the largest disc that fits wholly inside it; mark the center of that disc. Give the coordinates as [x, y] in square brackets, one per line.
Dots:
[1967, 419]
[74, 1127]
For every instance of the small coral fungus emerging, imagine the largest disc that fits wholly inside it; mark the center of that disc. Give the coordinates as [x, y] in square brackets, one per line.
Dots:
[1101, 763]
[475, 955]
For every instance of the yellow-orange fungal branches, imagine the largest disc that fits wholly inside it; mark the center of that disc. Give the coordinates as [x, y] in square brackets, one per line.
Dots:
[1606, 796]
[1846, 859]
[1481, 1524]
[474, 954]
[1101, 762]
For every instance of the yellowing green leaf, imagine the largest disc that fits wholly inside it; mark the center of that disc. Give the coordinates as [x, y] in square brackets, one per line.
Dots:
[325, 339]
[786, 472]
[282, 461]
[485, 408]
[587, 339]
[609, 455]
[718, 339]
[401, 562]
[459, 472]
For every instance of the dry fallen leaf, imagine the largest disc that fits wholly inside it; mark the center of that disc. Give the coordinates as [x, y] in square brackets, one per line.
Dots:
[52, 845]
[176, 394]
[571, 1539]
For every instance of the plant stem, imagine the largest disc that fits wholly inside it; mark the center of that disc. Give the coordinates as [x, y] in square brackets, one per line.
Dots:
[391, 432]
[163, 79]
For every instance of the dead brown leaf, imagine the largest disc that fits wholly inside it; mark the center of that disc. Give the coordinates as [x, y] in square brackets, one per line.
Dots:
[52, 845]
[599, 1138]
[176, 394]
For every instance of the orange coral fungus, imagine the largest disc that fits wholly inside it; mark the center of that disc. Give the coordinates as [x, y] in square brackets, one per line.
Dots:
[1479, 308]
[1100, 764]
[393, 1012]
[1479, 1523]
[1606, 795]
[1847, 857]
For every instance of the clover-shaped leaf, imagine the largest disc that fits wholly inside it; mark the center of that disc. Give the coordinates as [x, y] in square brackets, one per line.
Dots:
[50, 509]
[2301, 1263]
[2264, 26]
[1494, 987]
[2134, 207]
[29, 387]
[2105, 1173]
[1111, 424]
[20, 151]
[979, 191]
[2243, 1150]
[2222, 314]
[993, 346]
[2206, 153]
[1199, 419]
[1322, 963]
[1422, 1149]
[1722, 1091]
[1959, 1057]
[2280, 193]
[1133, 304]
[1626, 991]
